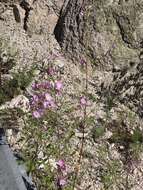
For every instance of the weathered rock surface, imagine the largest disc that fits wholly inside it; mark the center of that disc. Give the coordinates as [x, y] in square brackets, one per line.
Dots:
[110, 32]
[29, 25]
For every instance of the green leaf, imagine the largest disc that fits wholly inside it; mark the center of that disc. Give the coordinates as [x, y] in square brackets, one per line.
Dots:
[98, 132]
[137, 136]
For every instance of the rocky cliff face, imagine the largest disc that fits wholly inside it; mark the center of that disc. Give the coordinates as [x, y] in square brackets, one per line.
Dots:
[111, 25]
[111, 34]
[29, 25]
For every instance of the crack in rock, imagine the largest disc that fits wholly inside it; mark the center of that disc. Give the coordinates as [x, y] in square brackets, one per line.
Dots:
[27, 9]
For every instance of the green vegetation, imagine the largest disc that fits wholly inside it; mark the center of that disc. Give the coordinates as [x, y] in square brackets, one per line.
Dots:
[16, 85]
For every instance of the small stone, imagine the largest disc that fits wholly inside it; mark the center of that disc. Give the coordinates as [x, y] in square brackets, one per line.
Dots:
[40, 155]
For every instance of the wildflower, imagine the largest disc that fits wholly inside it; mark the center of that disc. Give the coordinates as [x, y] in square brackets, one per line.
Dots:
[81, 12]
[49, 102]
[82, 62]
[61, 164]
[42, 85]
[52, 104]
[47, 85]
[48, 97]
[35, 98]
[34, 101]
[37, 114]
[34, 86]
[50, 71]
[61, 182]
[46, 104]
[39, 85]
[58, 85]
[83, 101]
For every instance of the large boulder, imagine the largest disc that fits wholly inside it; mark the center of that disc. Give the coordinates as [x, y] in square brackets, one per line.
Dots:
[100, 27]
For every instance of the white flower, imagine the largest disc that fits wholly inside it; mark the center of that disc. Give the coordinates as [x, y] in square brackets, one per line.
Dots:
[53, 163]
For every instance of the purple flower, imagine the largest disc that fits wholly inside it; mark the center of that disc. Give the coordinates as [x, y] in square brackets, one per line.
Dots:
[61, 182]
[52, 104]
[47, 85]
[48, 97]
[82, 13]
[40, 85]
[59, 85]
[35, 98]
[46, 104]
[37, 114]
[83, 62]
[83, 101]
[34, 86]
[50, 71]
[37, 86]
[49, 102]
[61, 164]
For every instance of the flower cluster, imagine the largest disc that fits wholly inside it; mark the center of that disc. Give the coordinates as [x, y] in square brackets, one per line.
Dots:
[42, 85]
[83, 101]
[62, 173]
[43, 98]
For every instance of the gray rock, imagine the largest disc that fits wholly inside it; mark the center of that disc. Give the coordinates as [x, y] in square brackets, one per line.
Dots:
[109, 33]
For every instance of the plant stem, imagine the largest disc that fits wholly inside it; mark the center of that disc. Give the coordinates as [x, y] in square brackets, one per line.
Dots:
[83, 125]
[0, 74]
